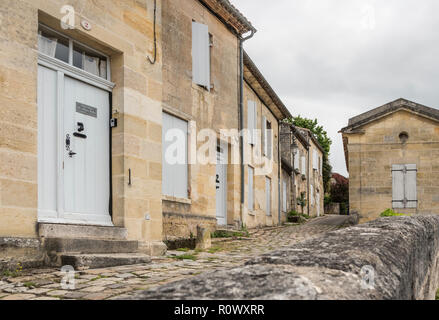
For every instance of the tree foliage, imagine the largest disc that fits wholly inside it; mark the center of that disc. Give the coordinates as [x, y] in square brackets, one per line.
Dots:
[324, 141]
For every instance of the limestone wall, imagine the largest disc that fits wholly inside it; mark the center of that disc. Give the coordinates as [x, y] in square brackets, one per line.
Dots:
[124, 31]
[372, 154]
[215, 109]
[388, 259]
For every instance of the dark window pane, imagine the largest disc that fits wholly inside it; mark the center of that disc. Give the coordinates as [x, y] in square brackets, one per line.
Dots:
[77, 58]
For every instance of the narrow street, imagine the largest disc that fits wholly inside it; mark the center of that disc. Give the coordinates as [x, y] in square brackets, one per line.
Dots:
[124, 281]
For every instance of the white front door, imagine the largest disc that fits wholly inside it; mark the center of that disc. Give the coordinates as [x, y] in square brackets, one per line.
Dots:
[221, 186]
[73, 150]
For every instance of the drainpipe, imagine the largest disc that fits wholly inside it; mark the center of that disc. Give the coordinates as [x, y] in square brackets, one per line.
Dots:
[308, 182]
[241, 115]
[279, 170]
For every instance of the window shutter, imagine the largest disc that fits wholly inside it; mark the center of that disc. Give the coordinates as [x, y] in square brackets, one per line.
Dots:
[200, 55]
[303, 165]
[284, 196]
[174, 176]
[167, 185]
[250, 189]
[251, 126]
[411, 193]
[270, 142]
[398, 186]
[297, 161]
[268, 196]
[312, 195]
[264, 136]
[404, 186]
[321, 166]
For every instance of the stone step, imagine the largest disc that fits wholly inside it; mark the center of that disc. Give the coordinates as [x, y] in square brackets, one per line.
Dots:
[48, 230]
[97, 261]
[89, 246]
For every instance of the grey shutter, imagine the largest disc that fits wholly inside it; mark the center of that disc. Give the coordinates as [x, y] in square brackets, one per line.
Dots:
[264, 135]
[268, 196]
[270, 142]
[411, 193]
[174, 176]
[303, 165]
[200, 55]
[297, 161]
[250, 189]
[167, 185]
[180, 180]
[251, 125]
[398, 186]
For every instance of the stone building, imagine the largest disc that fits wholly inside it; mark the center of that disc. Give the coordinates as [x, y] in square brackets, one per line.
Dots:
[95, 98]
[391, 155]
[201, 62]
[302, 155]
[266, 181]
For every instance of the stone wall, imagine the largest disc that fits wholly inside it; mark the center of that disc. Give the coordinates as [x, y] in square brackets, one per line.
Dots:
[374, 150]
[124, 31]
[402, 253]
[213, 109]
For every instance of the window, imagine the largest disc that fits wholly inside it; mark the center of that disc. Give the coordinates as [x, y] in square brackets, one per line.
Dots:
[251, 121]
[303, 165]
[404, 186]
[284, 196]
[268, 196]
[297, 161]
[201, 46]
[55, 45]
[267, 138]
[251, 177]
[175, 167]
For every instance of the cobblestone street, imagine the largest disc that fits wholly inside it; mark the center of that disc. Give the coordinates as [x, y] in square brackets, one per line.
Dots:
[120, 282]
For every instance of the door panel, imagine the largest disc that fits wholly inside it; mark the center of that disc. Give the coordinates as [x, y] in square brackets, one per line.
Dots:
[221, 186]
[47, 142]
[86, 173]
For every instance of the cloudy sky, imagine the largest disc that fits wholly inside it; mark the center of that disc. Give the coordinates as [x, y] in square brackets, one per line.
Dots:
[334, 59]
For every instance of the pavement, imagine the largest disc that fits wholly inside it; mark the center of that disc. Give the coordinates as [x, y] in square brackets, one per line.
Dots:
[125, 281]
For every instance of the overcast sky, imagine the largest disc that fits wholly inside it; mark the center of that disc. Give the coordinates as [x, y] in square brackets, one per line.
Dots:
[334, 59]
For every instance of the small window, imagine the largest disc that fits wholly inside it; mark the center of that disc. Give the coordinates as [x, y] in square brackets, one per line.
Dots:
[88, 61]
[404, 137]
[55, 45]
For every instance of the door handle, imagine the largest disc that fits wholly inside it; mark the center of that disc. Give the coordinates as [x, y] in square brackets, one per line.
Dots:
[71, 154]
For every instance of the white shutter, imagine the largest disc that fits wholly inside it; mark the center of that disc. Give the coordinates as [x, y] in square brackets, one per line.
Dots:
[270, 142]
[297, 161]
[411, 193]
[174, 176]
[250, 189]
[303, 165]
[251, 113]
[268, 196]
[398, 186]
[321, 165]
[167, 185]
[264, 136]
[200, 55]
[314, 159]
[284, 196]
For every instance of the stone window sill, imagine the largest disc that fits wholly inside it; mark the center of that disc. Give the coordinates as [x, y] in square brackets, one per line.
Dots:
[178, 200]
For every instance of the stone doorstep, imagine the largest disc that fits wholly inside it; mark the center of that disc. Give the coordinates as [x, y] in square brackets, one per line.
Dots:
[95, 261]
[47, 230]
[90, 246]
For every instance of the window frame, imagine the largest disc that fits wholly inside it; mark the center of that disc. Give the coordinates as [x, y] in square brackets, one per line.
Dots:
[72, 42]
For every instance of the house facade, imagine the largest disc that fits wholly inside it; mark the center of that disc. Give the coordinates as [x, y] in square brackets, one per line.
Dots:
[391, 154]
[126, 124]
[263, 174]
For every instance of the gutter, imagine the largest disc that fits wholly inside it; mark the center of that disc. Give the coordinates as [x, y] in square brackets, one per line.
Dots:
[241, 115]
